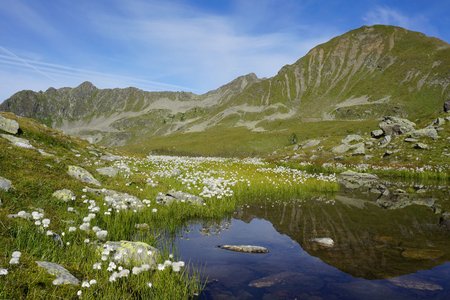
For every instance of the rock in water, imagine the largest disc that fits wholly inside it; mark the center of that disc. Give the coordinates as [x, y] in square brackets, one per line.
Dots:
[8, 125]
[62, 275]
[5, 184]
[275, 279]
[18, 142]
[108, 171]
[245, 248]
[64, 195]
[396, 126]
[132, 253]
[326, 242]
[82, 175]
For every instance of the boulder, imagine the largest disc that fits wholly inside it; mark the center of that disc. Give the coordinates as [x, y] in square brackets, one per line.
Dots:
[62, 275]
[108, 171]
[18, 142]
[177, 196]
[421, 146]
[447, 106]
[411, 140]
[64, 195]
[245, 248]
[359, 149]
[8, 125]
[353, 180]
[82, 175]
[377, 133]
[118, 200]
[310, 143]
[132, 253]
[385, 141]
[340, 149]
[396, 126]
[430, 132]
[438, 122]
[5, 184]
[351, 138]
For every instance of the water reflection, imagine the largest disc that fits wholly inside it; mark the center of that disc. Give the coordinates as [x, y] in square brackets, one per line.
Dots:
[378, 253]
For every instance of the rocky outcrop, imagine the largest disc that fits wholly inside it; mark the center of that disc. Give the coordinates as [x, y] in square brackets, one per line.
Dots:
[82, 175]
[63, 276]
[18, 142]
[396, 126]
[8, 125]
[245, 248]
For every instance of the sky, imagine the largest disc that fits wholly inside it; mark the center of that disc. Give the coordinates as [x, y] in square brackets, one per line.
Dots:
[190, 45]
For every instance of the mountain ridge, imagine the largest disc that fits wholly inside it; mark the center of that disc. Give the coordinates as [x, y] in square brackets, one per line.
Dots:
[363, 74]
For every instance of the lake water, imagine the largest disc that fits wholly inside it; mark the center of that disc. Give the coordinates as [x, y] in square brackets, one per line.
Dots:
[378, 253]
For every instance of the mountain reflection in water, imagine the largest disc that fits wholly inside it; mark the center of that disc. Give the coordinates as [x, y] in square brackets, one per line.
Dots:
[378, 253]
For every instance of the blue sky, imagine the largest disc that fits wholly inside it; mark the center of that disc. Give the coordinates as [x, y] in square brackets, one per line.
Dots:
[194, 45]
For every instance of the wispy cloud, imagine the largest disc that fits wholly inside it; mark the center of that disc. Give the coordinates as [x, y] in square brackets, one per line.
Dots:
[390, 16]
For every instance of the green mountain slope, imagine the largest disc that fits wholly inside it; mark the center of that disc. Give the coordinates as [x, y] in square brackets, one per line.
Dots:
[358, 76]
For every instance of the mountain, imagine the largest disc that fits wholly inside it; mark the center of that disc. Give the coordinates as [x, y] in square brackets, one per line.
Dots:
[361, 75]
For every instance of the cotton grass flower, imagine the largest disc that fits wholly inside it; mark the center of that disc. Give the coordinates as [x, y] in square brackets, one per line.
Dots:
[97, 266]
[3, 272]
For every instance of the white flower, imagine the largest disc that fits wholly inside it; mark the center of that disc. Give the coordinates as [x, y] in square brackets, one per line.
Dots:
[72, 229]
[112, 266]
[49, 233]
[86, 241]
[85, 226]
[16, 254]
[97, 266]
[154, 210]
[79, 293]
[149, 284]
[14, 261]
[45, 222]
[85, 284]
[3, 272]
[92, 282]
[101, 235]
[161, 267]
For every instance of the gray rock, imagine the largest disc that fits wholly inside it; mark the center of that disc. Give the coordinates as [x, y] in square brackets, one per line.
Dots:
[132, 253]
[5, 184]
[430, 132]
[118, 200]
[82, 175]
[62, 275]
[439, 122]
[385, 141]
[108, 171]
[396, 126]
[340, 149]
[447, 106]
[377, 133]
[351, 138]
[416, 284]
[277, 279]
[43, 153]
[388, 153]
[421, 146]
[411, 140]
[64, 195]
[245, 248]
[353, 180]
[8, 125]
[177, 196]
[18, 142]
[359, 149]
[310, 143]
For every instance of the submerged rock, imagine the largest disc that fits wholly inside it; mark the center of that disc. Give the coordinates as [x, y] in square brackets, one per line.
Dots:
[108, 171]
[275, 279]
[132, 253]
[82, 175]
[177, 196]
[325, 242]
[118, 200]
[8, 125]
[64, 195]
[5, 184]
[18, 142]
[245, 248]
[62, 275]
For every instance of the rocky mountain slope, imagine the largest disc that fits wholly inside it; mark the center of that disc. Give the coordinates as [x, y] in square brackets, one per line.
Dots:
[361, 75]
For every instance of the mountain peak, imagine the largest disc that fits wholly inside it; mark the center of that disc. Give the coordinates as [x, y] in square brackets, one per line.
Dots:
[87, 85]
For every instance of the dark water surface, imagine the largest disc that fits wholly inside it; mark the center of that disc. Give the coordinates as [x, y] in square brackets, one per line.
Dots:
[378, 253]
